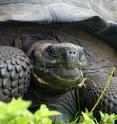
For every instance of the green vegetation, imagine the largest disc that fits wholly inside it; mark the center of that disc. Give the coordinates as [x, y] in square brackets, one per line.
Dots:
[88, 118]
[16, 112]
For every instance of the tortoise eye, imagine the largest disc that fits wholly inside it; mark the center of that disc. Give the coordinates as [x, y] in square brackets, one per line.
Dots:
[52, 52]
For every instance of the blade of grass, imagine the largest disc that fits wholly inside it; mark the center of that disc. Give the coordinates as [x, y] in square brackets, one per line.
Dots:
[105, 88]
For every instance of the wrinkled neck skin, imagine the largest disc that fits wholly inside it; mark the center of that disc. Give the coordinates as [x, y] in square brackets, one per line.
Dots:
[66, 103]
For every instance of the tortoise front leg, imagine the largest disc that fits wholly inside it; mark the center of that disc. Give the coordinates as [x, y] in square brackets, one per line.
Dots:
[91, 93]
[14, 73]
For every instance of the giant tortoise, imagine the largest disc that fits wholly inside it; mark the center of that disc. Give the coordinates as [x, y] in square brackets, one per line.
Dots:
[48, 47]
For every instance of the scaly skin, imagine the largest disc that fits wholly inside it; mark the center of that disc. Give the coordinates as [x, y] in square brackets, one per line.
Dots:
[14, 73]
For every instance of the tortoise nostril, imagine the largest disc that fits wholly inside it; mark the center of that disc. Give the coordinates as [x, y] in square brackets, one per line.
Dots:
[70, 52]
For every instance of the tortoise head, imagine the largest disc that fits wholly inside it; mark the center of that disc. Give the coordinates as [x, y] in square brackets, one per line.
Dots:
[58, 67]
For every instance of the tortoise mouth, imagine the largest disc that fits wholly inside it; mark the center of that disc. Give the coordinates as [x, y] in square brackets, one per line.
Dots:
[70, 73]
[63, 73]
[58, 77]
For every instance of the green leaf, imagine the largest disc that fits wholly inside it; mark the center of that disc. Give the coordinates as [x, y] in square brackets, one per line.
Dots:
[18, 104]
[107, 119]
[16, 112]
[41, 116]
[44, 112]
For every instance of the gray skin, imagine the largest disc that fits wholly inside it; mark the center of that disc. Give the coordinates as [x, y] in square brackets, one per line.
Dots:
[52, 52]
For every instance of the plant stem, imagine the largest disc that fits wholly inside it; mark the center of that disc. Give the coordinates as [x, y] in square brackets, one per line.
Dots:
[105, 88]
